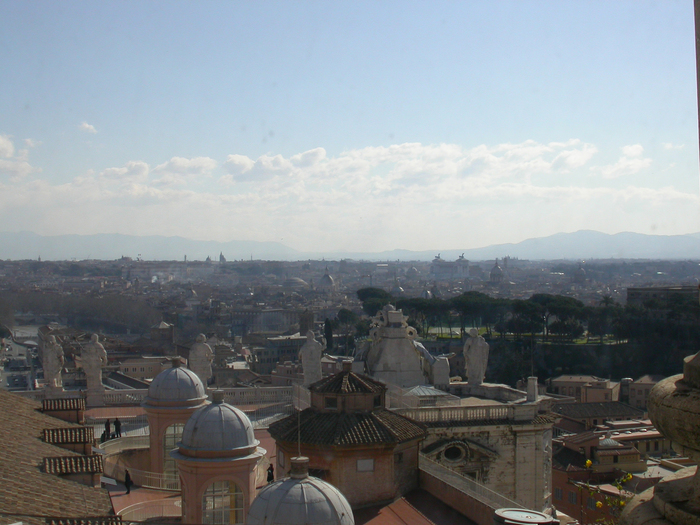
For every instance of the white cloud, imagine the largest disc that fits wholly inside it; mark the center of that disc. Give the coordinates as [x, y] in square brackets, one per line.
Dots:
[7, 148]
[180, 170]
[134, 171]
[633, 150]
[623, 167]
[669, 145]
[406, 195]
[31, 143]
[14, 166]
[89, 128]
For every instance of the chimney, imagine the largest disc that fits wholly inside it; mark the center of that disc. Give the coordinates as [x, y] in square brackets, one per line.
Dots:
[531, 389]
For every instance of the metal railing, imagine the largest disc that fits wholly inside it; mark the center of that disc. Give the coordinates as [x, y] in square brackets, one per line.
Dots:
[143, 478]
[162, 508]
[115, 446]
[466, 485]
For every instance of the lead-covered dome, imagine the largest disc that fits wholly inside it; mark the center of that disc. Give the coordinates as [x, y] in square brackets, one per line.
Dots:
[218, 428]
[300, 499]
[176, 386]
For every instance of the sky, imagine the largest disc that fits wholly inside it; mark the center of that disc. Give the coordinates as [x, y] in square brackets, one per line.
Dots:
[349, 125]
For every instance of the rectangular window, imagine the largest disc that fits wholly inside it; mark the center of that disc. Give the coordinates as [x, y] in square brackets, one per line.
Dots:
[591, 504]
[656, 446]
[365, 465]
[280, 458]
[572, 498]
[558, 493]
[377, 401]
[331, 402]
[398, 458]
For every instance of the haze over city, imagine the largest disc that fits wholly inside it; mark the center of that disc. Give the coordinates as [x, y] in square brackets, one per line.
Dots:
[356, 126]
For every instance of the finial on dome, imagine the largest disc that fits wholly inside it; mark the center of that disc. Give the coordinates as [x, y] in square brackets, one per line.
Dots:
[217, 397]
[300, 468]
[347, 366]
[176, 362]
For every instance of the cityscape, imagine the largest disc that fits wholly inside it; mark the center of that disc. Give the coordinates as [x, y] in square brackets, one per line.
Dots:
[349, 263]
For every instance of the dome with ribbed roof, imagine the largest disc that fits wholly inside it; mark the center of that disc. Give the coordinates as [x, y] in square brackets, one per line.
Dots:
[176, 386]
[218, 428]
[300, 499]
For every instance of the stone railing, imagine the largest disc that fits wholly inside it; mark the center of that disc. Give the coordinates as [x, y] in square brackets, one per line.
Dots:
[470, 413]
[257, 395]
[451, 414]
[147, 510]
[466, 485]
[125, 397]
[233, 396]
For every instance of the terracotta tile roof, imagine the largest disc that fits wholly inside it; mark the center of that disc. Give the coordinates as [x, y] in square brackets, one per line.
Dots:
[61, 436]
[26, 491]
[347, 383]
[74, 464]
[108, 520]
[347, 429]
[72, 403]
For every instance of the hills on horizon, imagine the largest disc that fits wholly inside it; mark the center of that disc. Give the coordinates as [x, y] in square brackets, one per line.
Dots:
[584, 244]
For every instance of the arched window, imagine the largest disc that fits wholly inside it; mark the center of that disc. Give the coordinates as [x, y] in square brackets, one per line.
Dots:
[172, 435]
[222, 503]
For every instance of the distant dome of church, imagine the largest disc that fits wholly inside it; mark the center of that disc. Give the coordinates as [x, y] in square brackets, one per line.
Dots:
[496, 275]
[218, 427]
[295, 283]
[412, 272]
[176, 385]
[326, 281]
[300, 499]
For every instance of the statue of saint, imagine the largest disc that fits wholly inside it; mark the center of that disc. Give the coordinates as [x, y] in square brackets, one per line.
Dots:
[310, 355]
[93, 357]
[52, 362]
[476, 357]
[201, 357]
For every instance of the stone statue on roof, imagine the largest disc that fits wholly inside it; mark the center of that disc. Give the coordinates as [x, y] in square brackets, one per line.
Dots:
[52, 362]
[201, 357]
[310, 355]
[476, 357]
[92, 358]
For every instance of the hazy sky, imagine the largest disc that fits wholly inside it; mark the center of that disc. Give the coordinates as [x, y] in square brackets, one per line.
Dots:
[349, 125]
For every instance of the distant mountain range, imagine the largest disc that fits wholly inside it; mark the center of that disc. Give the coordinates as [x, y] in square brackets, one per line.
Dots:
[583, 244]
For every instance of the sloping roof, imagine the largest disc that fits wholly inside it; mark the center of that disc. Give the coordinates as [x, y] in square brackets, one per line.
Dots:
[563, 458]
[74, 464]
[71, 435]
[418, 507]
[72, 403]
[599, 410]
[426, 391]
[346, 429]
[347, 383]
[26, 490]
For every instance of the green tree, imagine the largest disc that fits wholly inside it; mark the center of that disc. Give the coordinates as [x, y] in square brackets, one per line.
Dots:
[328, 333]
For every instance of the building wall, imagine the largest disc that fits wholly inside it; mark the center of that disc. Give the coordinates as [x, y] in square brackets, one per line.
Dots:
[339, 466]
[521, 468]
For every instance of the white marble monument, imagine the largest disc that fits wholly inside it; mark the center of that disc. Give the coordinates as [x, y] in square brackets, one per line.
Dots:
[201, 357]
[52, 362]
[310, 355]
[92, 358]
[476, 357]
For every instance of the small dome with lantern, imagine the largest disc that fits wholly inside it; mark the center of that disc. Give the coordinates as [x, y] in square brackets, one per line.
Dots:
[176, 386]
[218, 428]
[300, 499]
